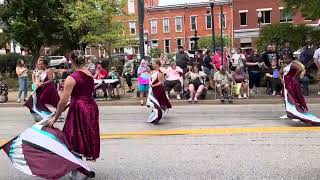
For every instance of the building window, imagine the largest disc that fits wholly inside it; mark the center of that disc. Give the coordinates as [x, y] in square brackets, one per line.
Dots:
[285, 17]
[193, 22]
[224, 24]
[135, 50]
[154, 43]
[266, 17]
[208, 22]
[132, 26]
[243, 19]
[88, 51]
[179, 43]
[167, 46]
[166, 25]
[178, 24]
[131, 6]
[119, 50]
[154, 26]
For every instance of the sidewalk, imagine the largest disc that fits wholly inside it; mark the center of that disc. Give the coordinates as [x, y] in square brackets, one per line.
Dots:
[130, 99]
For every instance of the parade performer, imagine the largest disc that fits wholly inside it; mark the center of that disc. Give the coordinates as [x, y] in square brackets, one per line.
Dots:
[81, 127]
[296, 107]
[46, 92]
[44, 152]
[157, 99]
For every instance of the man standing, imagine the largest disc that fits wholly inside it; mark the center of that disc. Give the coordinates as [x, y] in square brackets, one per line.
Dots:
[316, 58]
[182, 59]
[128, 70]
[269, 55]
[217, 60]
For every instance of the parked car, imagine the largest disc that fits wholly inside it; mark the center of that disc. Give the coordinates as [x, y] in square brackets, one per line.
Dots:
[56, 61]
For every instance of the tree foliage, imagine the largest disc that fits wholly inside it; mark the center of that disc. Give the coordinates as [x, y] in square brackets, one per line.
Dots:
[297, 35]
[4, 39]
[309, 8]
[206, 42]
[155, 52]
[100, 19]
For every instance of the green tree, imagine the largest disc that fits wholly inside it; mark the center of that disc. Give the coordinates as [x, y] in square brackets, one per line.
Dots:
[206, 42]
[4, 39]
[309, 8]
[278, 34]
[103, 19]
[155, 52]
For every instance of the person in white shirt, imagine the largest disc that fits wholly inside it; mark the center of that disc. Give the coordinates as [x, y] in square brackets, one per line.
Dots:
[316, 58]
[237, 59]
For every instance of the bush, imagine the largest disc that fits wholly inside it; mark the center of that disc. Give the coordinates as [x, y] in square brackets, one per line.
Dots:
[155, 52]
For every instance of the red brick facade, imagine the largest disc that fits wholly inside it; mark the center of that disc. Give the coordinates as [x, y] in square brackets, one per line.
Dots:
[172, 14]
[247, 35]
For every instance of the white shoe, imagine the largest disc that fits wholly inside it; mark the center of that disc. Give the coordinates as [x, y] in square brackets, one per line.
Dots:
[195, 99]
[178, 97]
[284, 117]
[189, 100]
[318, 92]
[18, 101]
[245, 96]
[239, 97]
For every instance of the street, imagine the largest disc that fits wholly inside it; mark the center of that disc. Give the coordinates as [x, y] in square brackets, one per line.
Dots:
[194, 142]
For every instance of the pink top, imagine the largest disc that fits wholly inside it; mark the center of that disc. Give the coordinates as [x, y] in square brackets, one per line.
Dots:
[216, 60]
[173, 74]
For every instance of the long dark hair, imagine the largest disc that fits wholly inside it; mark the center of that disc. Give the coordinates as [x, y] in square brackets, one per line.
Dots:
[208, 52]
[19, 63]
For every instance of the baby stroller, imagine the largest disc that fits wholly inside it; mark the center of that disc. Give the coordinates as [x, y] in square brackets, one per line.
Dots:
[3, 91]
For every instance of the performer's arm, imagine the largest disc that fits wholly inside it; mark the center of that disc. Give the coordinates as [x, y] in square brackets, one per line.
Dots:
[50, 78]
[68, 87]
[298, 67]
[160, 78]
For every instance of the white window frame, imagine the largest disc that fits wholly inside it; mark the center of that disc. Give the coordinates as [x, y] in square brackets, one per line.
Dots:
[179, 17]
[177, 45]
[206, 19]
[262, 10]
[164, 46]
[164, 29]
[196, 22]
[225, 21]
[152, 45]
[156, 26]
[131, 9]
[240, 12]
[86, 50]
[135, 28]
[281, 9]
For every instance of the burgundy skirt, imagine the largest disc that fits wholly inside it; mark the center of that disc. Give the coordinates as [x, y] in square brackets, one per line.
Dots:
[160, 94]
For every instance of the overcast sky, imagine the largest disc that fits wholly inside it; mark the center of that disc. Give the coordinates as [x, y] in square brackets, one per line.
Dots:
[168, 2]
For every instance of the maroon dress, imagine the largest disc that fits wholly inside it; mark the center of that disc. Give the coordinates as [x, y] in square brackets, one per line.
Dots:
[47, 94]
[160, 94]
[82, 123]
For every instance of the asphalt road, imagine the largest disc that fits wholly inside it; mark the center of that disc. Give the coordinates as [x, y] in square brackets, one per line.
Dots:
[258, 155]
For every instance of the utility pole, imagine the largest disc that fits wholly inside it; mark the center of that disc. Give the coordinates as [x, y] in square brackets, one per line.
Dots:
[221, 28]
[212, 27]
[141, 31]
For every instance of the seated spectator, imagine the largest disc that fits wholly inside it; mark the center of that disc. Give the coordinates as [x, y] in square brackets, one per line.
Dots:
[100, 73]
[114, 86]
[237, 60]
[241, 82]
[304, 80]
[223, 79]
[173, 80]
[163, 66]
[196, 85]
[273, 76]
[91, 67]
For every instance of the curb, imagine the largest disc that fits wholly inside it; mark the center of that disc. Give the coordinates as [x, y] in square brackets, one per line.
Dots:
[185, 103]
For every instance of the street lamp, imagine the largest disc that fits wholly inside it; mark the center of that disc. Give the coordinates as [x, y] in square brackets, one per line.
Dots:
[221, 28]
[141, 32]
[259, 18]
[212, 26]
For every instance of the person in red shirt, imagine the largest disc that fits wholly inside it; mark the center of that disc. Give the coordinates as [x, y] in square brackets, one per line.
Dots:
[100, 73]
[216, 60]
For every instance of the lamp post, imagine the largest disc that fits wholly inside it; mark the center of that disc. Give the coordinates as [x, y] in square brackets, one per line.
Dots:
[259, 18]
[141, 32]
[195, 39]
[212, 26]
[221, 28]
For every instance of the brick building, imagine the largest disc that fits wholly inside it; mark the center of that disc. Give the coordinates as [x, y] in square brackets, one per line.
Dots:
[246, 26]
[168, 27]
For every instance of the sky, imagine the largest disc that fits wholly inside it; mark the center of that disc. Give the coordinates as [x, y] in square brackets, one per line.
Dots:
[169, 2]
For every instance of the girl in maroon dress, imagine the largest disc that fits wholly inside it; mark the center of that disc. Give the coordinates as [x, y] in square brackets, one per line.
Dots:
[295, 103]
[46, 91]
[82, 122]
[157, 99]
